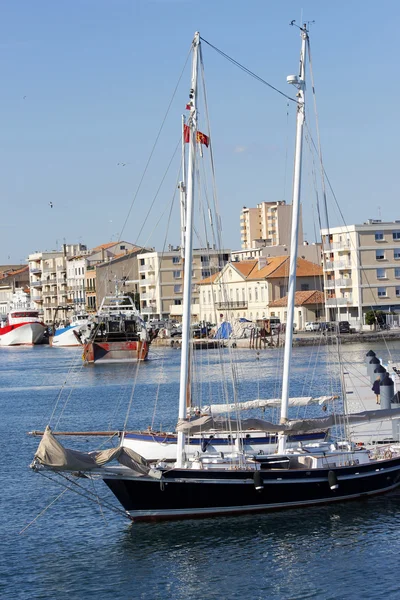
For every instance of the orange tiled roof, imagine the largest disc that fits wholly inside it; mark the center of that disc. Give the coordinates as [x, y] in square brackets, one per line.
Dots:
[12, 272]
[245, 267]
[272, 265]
[210, 279]
[301, 298]
[305, 268]
[104, 246]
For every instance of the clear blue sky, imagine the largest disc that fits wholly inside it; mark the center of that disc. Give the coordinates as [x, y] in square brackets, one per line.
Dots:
[85, 85]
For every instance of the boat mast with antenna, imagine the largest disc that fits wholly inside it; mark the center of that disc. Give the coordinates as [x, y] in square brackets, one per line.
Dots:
[187, 282]
[300, 84]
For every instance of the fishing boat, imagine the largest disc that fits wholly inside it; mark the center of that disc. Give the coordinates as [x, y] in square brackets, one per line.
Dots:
[118, 333]
[234, 482]
[72, 333]
[23, 325]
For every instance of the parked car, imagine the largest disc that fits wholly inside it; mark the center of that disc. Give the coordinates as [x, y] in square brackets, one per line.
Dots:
[311, 326]
[274, 323]
[343, 327]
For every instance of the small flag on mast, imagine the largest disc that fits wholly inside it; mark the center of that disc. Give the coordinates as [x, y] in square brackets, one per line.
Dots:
[201, 138]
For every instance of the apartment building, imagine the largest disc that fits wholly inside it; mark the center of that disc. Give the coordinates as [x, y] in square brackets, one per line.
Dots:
[310, 252]
[161, 280]
[48, 281]
[119, 273]
[361, 270]
[12, 279]
[248, 288]
[268, 224]
[82, 275]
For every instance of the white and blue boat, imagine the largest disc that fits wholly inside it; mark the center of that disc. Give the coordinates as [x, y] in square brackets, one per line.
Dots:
[71, 334]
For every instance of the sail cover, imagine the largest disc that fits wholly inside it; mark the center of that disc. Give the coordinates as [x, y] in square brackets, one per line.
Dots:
[51, 453]
[217, 409]
[206, 424]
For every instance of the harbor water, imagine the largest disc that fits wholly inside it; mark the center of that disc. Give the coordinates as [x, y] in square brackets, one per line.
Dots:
[76, 549]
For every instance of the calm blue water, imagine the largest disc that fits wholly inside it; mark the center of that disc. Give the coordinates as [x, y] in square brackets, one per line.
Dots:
[74, 551]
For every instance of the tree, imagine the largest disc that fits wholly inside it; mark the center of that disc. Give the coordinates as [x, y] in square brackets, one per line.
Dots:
[370, 317]
[135, 297]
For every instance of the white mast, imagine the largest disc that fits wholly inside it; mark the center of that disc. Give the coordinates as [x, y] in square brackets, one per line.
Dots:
[299, 83]
[187, 282]
[182, 190]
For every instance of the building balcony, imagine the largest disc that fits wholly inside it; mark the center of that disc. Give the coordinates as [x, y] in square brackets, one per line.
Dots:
[231, 305]
[345, 245]
[344, 282]
[329, 284]
[36, 284]
[337, 264]
[148, 281]
[49, 280]
[37, 298]
[146, 268]
[147, 297]
[146, 310]
[35, 270]
[61, 268]
[339, 301]
[61, 280]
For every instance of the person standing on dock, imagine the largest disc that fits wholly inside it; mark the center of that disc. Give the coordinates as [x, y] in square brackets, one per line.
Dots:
[376, 388]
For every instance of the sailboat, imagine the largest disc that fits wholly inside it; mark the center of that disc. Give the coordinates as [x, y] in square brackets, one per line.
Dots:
[211, 484]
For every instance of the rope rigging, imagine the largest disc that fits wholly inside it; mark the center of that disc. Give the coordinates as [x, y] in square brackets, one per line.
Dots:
[246, 70]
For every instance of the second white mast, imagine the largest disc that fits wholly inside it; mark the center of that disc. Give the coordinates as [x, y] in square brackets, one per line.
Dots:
[300, 83]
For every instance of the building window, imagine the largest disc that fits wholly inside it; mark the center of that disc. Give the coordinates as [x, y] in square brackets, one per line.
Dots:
[379, 237]
[122, 248]
[177, 302]
[397, 273]
[177, 289]
[397, 292]
[176, 259]
[397, 254]
[250, 295]
[381, 273]
[142, 262]
[382, 292]
[256, 296]
[304, 287]
[380, 254]
[177, 274]
[396, 235]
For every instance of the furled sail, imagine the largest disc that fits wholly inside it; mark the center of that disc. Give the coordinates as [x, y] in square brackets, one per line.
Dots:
[208, 423]
[51, 453]
[217, 409]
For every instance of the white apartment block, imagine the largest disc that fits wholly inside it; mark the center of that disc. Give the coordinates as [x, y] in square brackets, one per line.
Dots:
[247, 288]
[161, 280]
[361, 270]
[48, 281]
[311, 252]
[268, 224]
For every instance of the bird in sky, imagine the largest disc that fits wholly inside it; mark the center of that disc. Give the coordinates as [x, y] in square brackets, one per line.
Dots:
[51, 204]
[24, 98]
[121, 164]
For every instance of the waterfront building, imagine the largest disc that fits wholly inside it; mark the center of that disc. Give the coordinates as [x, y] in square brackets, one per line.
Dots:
[12, 278]
[268, 224]
[161, 280]
[246, 289]
[48, 281]
[361, 270]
